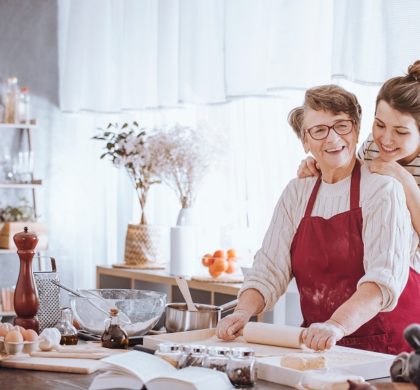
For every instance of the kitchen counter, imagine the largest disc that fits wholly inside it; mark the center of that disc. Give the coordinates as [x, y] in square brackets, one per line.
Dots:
[41, 380]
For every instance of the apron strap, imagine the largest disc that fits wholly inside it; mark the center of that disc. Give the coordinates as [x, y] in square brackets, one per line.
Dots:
[354, 190]
[312, 198]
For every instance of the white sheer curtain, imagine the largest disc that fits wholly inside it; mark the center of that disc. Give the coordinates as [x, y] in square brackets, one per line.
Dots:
[238, 66]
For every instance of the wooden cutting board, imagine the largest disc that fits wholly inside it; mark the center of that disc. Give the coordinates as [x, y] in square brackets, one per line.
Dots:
[369, 365]
[76, 366]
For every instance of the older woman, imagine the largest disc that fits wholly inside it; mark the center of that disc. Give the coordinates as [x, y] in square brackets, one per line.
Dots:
[346, 237]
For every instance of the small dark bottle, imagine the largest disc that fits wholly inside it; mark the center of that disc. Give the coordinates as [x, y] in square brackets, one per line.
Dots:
[65, 326]
[114, 336]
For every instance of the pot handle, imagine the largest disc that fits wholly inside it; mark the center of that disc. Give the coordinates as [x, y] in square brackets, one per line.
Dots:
[228, 306]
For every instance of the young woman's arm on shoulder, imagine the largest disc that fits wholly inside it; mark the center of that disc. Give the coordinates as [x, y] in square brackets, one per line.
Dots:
[411, 189]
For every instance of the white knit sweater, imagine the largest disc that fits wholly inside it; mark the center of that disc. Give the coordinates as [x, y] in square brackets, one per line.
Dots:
[389, 239]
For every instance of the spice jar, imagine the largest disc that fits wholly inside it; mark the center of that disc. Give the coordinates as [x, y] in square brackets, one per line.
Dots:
[193, 356]
[241, 367]
[170, 352]
[65, 326]
[217, 358]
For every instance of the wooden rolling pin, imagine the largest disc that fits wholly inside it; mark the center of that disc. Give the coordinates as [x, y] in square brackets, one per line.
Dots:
[277, 335]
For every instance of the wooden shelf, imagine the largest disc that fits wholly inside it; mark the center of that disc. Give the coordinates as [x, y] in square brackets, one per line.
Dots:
[17, 126]
[7, 313]
[34, 184]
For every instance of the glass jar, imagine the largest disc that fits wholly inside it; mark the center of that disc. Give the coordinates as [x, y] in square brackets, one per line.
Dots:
[66, 328]
[241, 367]
[114, 336]
[193, 356]
[170, 352]
[217, 358]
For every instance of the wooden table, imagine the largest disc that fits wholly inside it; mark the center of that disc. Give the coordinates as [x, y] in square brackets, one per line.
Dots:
[213, 293]
[38, 380]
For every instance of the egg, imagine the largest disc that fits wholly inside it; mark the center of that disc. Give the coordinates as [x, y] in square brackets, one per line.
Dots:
[3, 330]
[8, 326]
[19, 328]
[14, 336]
[30, 335]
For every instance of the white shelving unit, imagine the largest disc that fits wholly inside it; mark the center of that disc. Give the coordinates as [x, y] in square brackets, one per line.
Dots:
[34, 184]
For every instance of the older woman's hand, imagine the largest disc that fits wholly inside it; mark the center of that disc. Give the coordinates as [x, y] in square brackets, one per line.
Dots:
[322, 335]
[307, 168]
[232, 325]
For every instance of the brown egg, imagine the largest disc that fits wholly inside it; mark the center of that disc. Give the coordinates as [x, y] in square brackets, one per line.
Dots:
[30, 335]
[19, 328]
[3, 330]
[14, 336]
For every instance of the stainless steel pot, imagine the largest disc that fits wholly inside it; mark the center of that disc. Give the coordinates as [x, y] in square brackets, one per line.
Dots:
[179, 319]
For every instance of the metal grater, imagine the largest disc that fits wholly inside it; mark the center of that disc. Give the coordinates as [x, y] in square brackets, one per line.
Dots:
[49, 297]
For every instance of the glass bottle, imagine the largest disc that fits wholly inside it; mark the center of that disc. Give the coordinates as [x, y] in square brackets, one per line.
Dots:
[11, 96]
[114, 336]
[66, 328]
[217, 358]
[241, 367]
[24, 108]
[170, 352]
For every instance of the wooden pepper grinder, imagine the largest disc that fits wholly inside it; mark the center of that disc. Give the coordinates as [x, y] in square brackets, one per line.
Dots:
[26, 299]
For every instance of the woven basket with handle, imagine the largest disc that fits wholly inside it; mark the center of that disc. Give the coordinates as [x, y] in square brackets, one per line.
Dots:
[142, 244]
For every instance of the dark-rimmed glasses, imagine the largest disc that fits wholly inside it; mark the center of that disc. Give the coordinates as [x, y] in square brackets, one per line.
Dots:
[320, 132]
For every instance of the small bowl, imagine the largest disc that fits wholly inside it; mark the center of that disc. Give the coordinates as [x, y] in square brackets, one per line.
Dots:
[30, 346]
[13, 348]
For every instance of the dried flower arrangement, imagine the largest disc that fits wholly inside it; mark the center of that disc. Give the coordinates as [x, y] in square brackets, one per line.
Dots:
[187, 155]
[137, 150]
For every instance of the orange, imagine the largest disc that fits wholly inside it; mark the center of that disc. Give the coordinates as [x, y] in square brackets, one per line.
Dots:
[219, 264]
[214, 273]
[219, 253]
[206, 260]
[231, 267]
[231, 254]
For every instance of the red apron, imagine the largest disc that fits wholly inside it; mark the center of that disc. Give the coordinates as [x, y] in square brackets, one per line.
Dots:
[327, 262]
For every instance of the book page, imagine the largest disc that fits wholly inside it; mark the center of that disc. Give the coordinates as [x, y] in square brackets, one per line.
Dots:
[143, 365]
[115, 380]
[191, 378]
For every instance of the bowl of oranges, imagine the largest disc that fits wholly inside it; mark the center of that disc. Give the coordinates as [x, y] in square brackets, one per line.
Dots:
[220, 262]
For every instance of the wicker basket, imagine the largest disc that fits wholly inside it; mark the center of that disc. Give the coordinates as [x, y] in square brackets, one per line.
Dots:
[143, 244]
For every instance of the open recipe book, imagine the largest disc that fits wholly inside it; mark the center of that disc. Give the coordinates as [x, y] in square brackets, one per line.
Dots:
[132, 370]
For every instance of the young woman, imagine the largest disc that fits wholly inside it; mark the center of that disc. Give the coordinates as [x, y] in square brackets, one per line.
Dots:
[393, 148]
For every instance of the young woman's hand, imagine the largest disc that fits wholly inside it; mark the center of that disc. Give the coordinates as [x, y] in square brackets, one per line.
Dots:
[389, 168]
[308, 168]
[232, 325]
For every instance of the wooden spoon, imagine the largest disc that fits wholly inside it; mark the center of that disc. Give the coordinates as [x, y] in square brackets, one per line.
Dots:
[185, 291]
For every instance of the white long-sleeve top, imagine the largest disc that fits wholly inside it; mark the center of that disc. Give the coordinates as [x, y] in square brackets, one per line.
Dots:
[389, 239]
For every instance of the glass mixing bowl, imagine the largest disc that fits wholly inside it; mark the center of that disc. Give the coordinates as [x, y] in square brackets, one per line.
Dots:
[142, 307]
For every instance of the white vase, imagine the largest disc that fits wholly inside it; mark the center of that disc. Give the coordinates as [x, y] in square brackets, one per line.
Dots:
[184, 244]
[186, 217]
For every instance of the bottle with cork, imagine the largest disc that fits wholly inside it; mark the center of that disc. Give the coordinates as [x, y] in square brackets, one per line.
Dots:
[114, 336]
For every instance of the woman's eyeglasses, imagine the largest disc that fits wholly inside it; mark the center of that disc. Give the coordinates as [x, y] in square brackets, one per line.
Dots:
[320, 132]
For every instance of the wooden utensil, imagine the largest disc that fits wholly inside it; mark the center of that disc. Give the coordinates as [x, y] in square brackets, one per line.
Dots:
[185, 291]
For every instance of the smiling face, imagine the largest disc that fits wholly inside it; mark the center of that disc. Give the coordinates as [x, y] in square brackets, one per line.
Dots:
[396, 134]
[335, 154]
